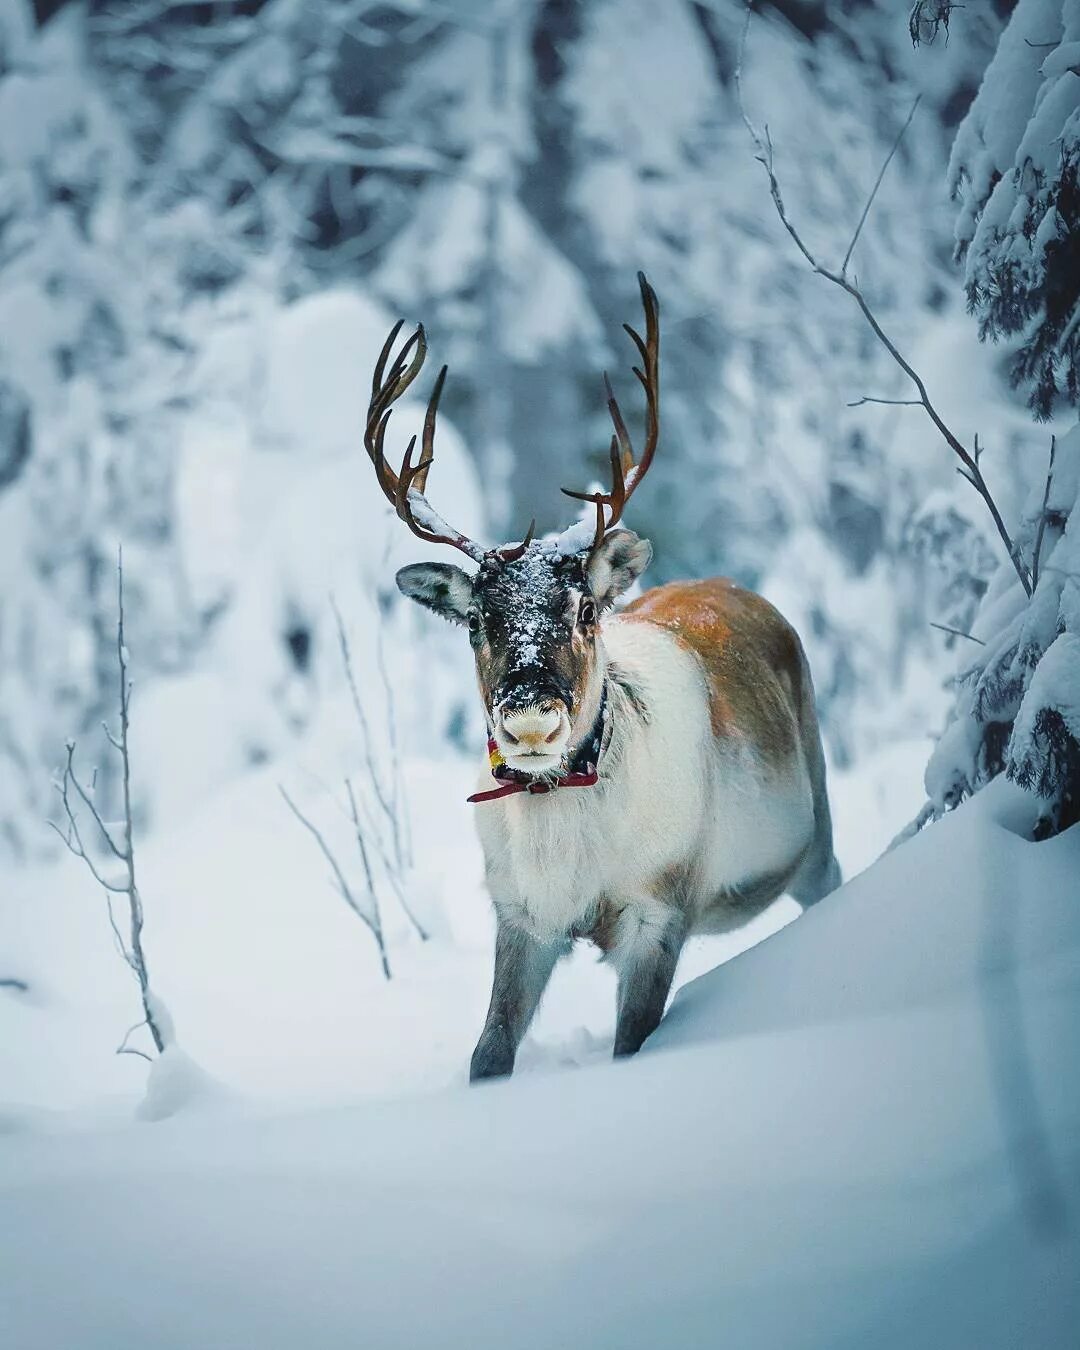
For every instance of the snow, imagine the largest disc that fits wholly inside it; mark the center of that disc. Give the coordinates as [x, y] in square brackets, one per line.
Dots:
[853, 1128]
[175, 1083]
[861, 1132]
[1055, 685]
[987, 142]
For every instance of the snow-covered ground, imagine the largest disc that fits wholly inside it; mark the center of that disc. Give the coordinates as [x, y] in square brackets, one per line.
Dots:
[862, 1132]
[275, 986]
[857, 1116]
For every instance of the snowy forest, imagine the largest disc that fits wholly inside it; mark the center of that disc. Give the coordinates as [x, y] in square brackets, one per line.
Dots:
[245, 934]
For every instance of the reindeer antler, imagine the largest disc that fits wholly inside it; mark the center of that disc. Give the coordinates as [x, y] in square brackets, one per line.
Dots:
[625, 473]
[405, 489]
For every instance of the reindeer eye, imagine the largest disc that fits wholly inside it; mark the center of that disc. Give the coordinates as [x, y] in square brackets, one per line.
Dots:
[588, 612]
[474, 622]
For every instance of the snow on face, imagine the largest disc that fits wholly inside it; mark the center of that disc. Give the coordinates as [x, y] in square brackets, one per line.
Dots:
[528, 611]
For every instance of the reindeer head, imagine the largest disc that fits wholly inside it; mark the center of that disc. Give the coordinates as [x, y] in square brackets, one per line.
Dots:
[532, 609]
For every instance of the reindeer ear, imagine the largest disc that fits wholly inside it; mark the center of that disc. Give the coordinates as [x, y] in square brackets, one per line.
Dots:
[616, 564]
[439, 586]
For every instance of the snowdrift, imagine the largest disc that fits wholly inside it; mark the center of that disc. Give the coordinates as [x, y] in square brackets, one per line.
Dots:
[864, 1132]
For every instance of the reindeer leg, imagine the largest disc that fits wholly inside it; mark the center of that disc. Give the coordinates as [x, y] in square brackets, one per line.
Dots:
[651, 936]
[523, 967]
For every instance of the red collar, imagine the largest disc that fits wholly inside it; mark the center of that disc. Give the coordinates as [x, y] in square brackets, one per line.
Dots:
[582, 771]
[588, 778]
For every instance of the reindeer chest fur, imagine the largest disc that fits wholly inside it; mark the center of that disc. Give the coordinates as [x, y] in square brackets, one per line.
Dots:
[670, 801]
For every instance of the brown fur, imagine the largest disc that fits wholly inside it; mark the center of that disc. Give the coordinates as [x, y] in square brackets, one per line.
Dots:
[602, 928]
[751, 657]
[673, 884]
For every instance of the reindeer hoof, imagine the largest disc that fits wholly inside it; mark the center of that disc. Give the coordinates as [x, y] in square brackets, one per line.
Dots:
[493, 1056]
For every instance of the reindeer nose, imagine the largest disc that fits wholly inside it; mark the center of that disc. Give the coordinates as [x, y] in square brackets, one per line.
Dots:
[532, 727]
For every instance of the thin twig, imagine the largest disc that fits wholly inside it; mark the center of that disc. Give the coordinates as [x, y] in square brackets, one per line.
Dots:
[877, 184]
[927, 813]
[396, 879]
[130, 1050]
[1036, 553]
[957, 632]
[402, 839]
[896, 402]
[374, 772]
[970, 470]
[73, 839]
[124, 1049]
[134, 898]
[95, 815]
[339, 877]
[393, 808]
[376, 927]
[132, 951]
[118, 936]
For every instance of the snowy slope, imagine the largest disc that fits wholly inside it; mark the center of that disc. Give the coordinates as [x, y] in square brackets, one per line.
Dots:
[274, 985]
[862, 1132]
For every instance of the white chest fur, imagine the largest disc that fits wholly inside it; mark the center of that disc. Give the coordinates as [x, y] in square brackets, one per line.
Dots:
[670, 796]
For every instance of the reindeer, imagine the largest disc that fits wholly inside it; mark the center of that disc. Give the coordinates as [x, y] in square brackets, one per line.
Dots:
[653, 771]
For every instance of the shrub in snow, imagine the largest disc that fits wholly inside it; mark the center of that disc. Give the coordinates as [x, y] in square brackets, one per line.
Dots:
[87, 835]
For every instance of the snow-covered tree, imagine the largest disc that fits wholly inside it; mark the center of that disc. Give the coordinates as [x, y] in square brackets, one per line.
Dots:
[172, 175]
[1014, 166]
[1016, 169]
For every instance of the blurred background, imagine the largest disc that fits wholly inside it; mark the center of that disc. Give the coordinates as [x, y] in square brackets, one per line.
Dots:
[211, 213]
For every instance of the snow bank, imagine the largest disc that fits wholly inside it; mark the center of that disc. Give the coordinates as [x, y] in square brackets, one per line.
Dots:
[863, 1132]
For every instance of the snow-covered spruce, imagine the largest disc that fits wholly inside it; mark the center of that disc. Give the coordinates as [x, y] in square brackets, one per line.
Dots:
[1018, 708]
[1016, 168]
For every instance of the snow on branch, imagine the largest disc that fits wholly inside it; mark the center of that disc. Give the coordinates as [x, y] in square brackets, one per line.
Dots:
[1015, 171]
[969, 467]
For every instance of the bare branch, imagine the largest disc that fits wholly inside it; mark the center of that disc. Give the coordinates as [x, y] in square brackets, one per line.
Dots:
[957, 632]
[896, 402]
[124, 1049]
[120, 945]
[340, 881]
[402, 841]
[132, 951]
[73, 839]
[130, 1050]
[392, 807]
[374, 773]
[88, 802]
[926, 814]
[396, 878]
[1036, 555]
[135, 908]
[324, 848]
[877, 184]
[376, 924]
[971, 471]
